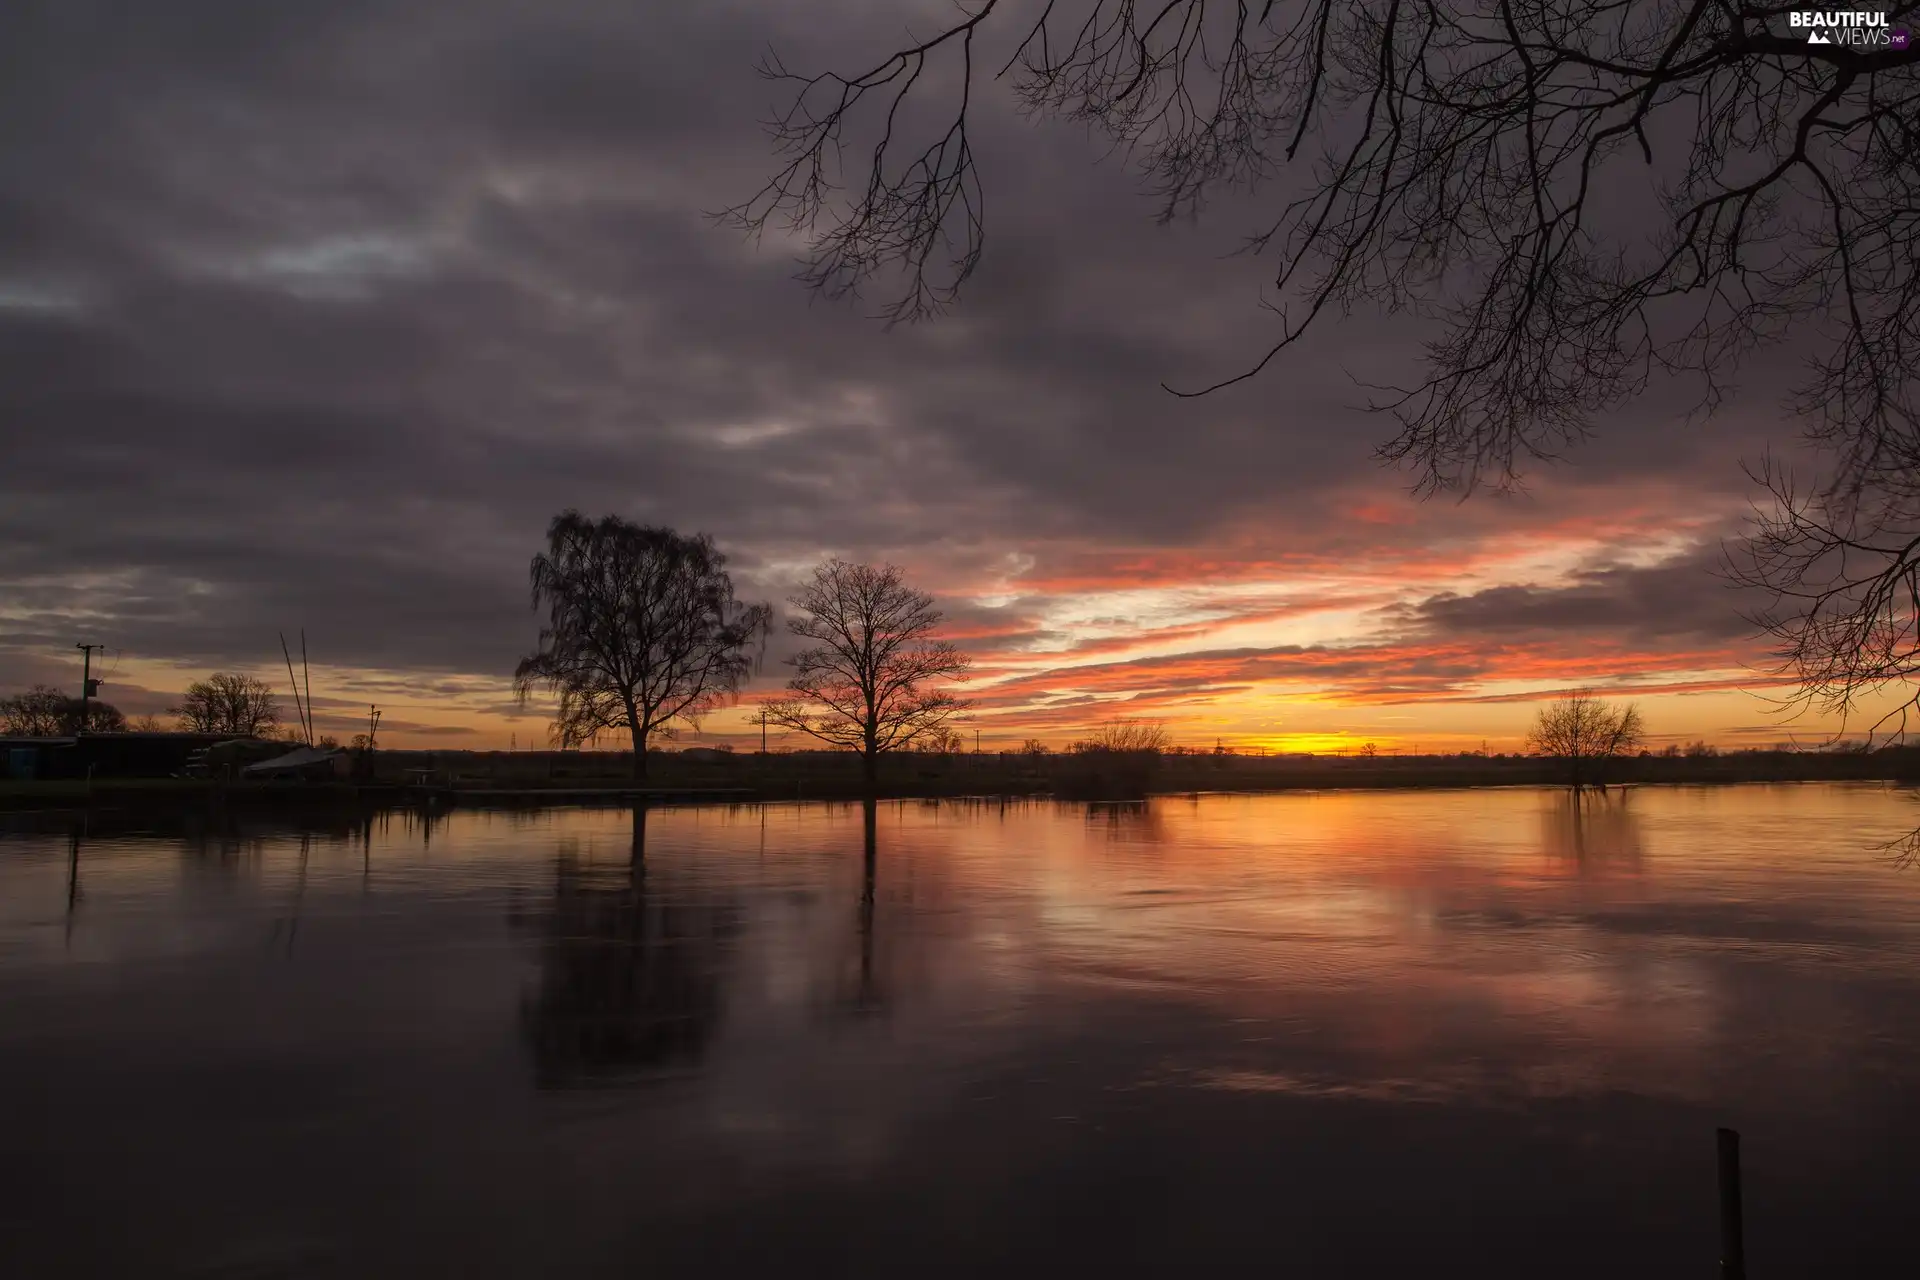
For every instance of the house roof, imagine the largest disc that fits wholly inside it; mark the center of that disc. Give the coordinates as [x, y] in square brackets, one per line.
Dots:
[298, 758]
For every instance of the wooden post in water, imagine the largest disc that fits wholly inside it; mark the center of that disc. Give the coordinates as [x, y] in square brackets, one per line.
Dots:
[1733, 1252]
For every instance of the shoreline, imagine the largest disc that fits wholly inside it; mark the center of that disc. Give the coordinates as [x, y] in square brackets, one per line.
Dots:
[757, 786]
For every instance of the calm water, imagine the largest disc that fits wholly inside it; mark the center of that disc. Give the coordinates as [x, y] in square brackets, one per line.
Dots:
[1476, 1033]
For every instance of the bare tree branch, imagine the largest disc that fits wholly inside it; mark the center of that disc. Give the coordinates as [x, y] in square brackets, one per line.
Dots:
[1843, 602]
[1455, 151]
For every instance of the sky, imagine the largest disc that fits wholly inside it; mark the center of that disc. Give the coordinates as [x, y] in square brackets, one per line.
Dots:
[313, 314]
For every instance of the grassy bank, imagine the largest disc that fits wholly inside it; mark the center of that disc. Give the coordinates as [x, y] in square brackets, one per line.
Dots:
[534, 776]
[804, 775]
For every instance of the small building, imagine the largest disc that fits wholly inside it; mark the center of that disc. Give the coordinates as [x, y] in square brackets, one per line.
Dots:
[102, 755]
[304, 764]
[227, 758]
[706, 755]
[26, 759]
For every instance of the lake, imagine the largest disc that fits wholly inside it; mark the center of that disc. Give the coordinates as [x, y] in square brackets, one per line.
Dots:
[1484, 1033]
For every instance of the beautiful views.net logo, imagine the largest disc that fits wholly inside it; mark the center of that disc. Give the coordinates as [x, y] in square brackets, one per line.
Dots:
[1855, 27]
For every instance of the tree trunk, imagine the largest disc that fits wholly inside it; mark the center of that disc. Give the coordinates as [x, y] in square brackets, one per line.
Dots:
[870, 770]
[639, 757]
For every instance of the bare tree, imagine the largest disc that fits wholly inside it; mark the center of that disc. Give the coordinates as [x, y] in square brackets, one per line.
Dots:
[1126, 736]
[642, 631]
[1449, 157]
[1585, 733]
[228, 702]
[943, 741]
[40, 712]
[94, 716]
[45, 712]
[862, 684]
[148, 723]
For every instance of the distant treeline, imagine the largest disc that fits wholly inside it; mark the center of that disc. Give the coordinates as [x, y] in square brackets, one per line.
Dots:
[1098, 774]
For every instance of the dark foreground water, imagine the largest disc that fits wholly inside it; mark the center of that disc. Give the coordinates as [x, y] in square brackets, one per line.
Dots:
[1466, 1033]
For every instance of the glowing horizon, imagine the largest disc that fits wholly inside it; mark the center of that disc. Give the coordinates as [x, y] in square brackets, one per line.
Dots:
[1317, 654]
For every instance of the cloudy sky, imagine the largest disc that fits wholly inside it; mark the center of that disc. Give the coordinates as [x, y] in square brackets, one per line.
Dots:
[313, 314]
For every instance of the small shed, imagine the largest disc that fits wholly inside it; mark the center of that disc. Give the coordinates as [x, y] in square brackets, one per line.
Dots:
[24, 759]
[225, 759]
[102, 755]
[308, 764]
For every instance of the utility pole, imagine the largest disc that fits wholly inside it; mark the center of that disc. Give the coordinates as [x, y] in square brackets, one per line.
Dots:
[88, 685]
[373, 724]
[763, 730]
[976, 739]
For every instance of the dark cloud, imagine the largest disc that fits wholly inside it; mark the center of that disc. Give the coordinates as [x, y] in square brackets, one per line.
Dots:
[1688, 598]
[313, 314]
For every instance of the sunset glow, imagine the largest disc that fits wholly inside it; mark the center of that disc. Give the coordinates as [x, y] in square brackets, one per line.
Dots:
[357, 422]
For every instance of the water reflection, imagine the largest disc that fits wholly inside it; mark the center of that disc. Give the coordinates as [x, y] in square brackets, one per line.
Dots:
[1140, 821]
[1113, 1038]
[632, 969]
[865, 998]
[1593, 830]
[73, 875]
[287, 927]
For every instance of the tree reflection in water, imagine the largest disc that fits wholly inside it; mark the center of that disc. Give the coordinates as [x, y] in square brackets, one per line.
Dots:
[631, 971]
[1130, 821]
[867, 994]
[1594, 830]
[855, 984]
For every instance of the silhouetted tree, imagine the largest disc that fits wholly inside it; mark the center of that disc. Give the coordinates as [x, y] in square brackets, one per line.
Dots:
[45, 712]
[1142, 737]
[863, 683]
[1117, 761]
[228, 702]
[94, 716]
[1581, 730]
[943, 741]
[40, 712]
[642, 630]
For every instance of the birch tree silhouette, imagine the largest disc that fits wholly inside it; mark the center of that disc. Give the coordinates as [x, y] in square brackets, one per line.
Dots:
[642, 631]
